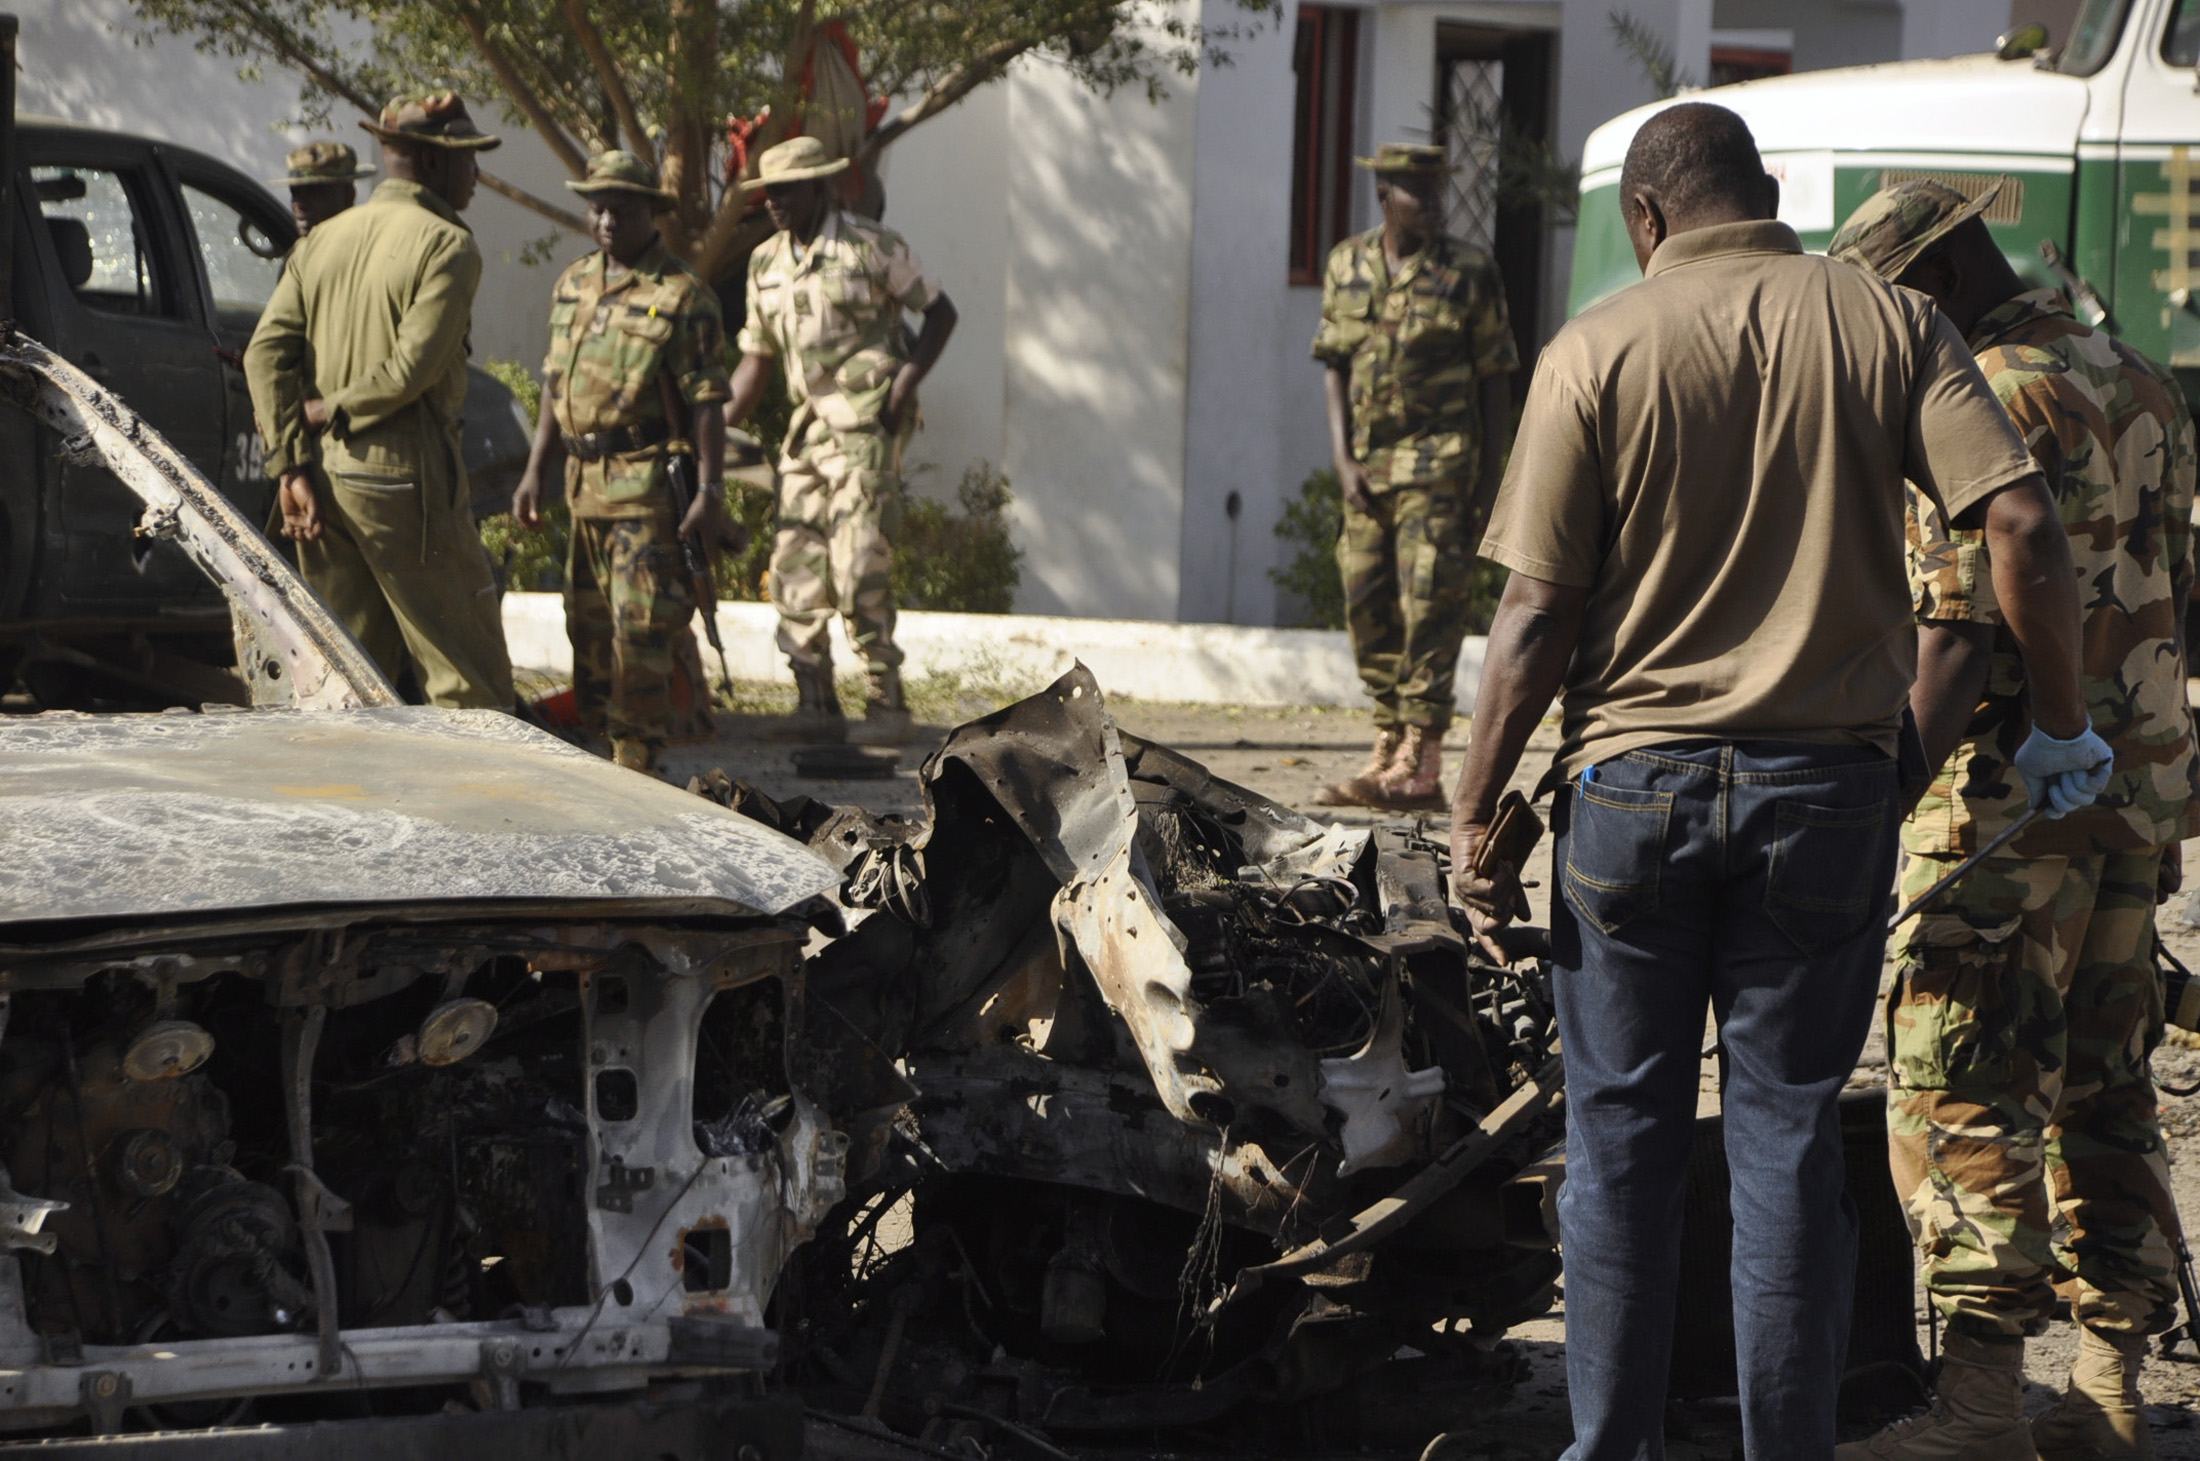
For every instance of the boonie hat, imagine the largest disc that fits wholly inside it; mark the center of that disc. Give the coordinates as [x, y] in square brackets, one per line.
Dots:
[620, 171]
[1420, 157]
[436, 118]
[792, 161]
[321, 162]
[1893, 228]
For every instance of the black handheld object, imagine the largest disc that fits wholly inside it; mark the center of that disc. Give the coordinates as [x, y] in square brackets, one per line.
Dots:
[695, 555]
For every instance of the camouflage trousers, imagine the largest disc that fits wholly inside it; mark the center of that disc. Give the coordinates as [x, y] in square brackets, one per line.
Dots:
[2023, 1010]
[1407, 570]
[839, 507]
[628, 608]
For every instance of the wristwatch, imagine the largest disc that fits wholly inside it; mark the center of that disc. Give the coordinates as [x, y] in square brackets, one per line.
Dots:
[716, 491]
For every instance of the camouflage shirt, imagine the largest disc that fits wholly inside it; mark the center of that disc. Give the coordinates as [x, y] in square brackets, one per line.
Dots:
[833, 316]
[2111, 434]
[609, 340]
[1413, 347]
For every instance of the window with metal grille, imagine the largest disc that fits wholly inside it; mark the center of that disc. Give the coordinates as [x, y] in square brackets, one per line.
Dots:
[2008, 204]
[1472, 109]
[1326, 61]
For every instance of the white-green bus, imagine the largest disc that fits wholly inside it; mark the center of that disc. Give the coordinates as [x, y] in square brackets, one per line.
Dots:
[2098, 138]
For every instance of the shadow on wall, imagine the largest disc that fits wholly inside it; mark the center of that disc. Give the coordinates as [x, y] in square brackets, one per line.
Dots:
[1098, 298]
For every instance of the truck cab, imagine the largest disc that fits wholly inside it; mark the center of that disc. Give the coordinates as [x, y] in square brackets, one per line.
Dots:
[2095, 142]
[147, 265]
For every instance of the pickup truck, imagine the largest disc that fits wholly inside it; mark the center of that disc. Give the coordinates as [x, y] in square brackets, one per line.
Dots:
[146, 265]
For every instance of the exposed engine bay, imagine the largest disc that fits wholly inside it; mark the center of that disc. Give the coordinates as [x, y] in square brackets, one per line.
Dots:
[1175, 1104]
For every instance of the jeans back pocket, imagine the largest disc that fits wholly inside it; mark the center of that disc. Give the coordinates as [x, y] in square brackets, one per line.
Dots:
[1615, 848]
[1828, 876]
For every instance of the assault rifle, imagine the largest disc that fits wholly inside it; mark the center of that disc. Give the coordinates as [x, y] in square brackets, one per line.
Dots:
[680, 475]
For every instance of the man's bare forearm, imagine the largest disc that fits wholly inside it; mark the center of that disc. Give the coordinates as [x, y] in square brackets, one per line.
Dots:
[749, 380]
[1337, 402]
[1531, 643]
[1952, 661]
[2036, 585]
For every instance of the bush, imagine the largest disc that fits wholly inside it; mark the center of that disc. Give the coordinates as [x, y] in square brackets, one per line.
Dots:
[964, 560]
[1310, 525]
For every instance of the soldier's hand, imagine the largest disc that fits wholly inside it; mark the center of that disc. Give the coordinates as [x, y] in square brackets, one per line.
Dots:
[527, 501]
[316, 411]
[301, 507]
[700, 523]
[1352, 477]
[2172, 876]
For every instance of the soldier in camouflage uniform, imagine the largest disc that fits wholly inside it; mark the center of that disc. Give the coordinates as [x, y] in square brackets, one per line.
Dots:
[826, 298]
[2025, 1002]
[623, 320]
[1418, 354]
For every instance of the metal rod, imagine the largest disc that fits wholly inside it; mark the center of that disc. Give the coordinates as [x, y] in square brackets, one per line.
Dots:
[1963, 869]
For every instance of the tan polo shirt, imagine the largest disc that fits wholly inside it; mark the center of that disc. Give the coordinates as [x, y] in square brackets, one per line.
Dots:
[1717, 455]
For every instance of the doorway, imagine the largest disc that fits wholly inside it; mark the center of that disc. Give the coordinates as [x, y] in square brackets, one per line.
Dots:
[1493, 115]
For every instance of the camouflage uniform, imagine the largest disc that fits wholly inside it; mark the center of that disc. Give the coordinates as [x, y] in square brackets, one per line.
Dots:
[628, 604]
[833, 317]
[2025, 1003]
[1413, 347]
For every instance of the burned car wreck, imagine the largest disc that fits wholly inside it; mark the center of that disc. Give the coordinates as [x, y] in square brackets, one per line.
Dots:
[390, 1068]
[408, 1078]
[1171, 1099]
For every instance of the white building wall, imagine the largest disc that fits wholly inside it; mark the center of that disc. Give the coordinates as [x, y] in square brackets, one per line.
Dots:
[1249, 375]
[947, 193]
[1098, 310]
[90, 61]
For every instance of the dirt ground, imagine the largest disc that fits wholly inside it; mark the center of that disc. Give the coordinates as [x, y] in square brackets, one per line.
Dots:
[1289, 755]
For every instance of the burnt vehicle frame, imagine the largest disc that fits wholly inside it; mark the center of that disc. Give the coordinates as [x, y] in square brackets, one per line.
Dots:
[381, 1058]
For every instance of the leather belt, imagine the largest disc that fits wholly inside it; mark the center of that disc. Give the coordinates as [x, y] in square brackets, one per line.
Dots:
[594, 446]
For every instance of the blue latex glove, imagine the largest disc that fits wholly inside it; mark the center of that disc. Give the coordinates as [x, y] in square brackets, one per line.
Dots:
[2064, 776]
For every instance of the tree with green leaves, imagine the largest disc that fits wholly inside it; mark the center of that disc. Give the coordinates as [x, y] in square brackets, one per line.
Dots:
[663, 79]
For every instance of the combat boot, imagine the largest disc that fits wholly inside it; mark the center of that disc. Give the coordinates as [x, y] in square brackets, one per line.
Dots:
[1977, 1412]
[816, 703]
[1362, 790]
[885, 713]
[2099, 1417]
[1415, 780]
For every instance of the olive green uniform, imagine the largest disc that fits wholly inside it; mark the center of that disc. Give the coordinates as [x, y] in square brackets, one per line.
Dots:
[629, 606]
[371, 316]
[1414, 345]
[832, 315]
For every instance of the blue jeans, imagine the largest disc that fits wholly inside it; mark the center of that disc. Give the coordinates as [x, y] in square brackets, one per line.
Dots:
[1753, 880]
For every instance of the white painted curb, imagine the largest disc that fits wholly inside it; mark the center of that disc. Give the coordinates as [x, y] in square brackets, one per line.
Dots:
[1196, 664]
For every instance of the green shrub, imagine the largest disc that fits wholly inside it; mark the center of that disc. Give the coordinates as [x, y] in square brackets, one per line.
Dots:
[1309, 528]
[966, 561]
[520, 381]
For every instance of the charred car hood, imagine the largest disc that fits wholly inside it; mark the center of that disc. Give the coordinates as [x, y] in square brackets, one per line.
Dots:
[166, 817]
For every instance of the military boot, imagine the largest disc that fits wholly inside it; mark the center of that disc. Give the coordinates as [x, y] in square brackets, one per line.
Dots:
[816, 703]
[1415, 780]
[2099, 1417]
[1977, 1412]
[1363, 789]
[885, 713]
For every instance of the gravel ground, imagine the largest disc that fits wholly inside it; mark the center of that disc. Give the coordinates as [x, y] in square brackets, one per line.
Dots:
[1289, 755]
